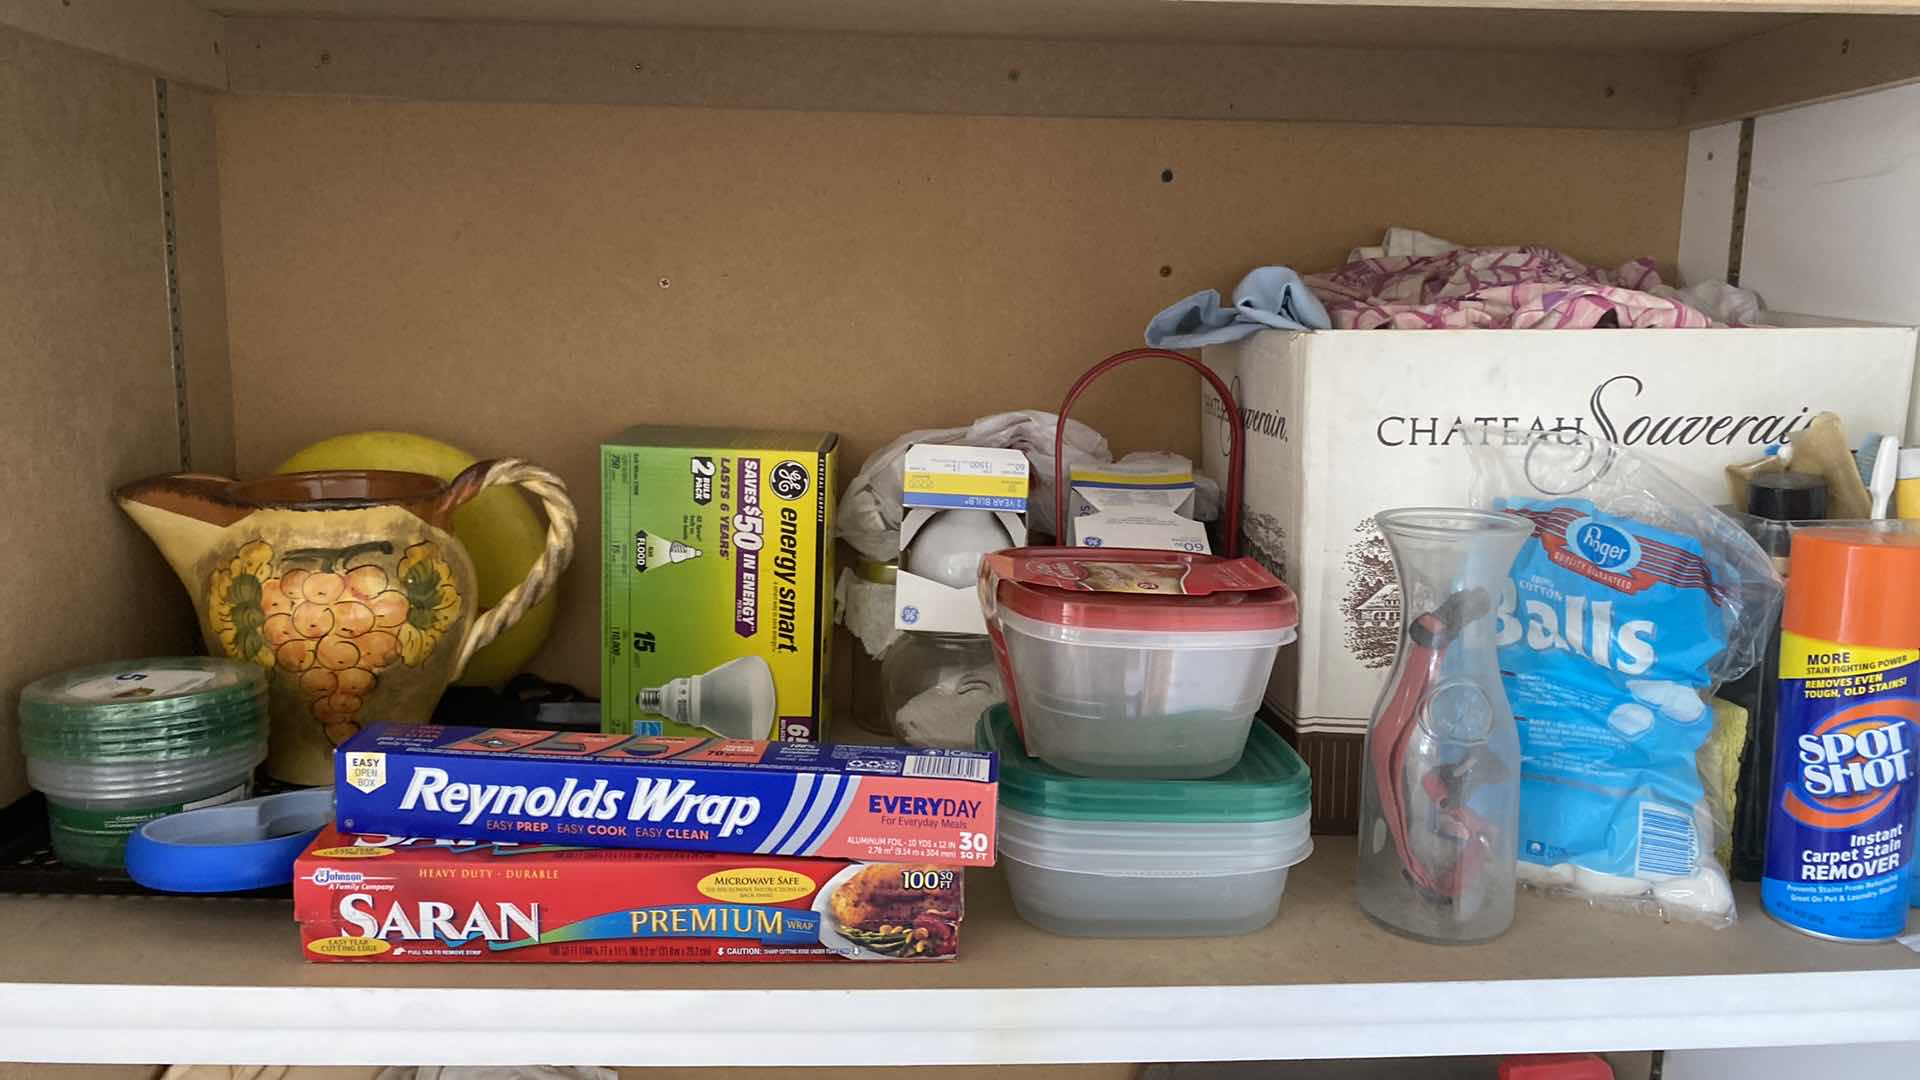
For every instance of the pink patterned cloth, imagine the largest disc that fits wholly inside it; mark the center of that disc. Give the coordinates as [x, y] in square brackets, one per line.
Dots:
[1496, 288]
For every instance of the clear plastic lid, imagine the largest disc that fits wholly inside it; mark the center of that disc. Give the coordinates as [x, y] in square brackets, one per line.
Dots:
[1270, 784]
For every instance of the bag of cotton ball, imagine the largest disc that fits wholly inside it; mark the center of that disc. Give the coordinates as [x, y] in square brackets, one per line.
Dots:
[1627, 608]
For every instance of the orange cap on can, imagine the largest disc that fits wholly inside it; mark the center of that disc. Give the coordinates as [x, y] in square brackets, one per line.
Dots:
[1855, 586]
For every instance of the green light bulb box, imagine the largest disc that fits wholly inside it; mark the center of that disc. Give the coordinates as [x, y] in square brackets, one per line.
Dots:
[716, 604]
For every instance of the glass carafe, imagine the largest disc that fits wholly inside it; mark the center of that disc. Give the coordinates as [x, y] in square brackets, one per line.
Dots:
[1440, 786]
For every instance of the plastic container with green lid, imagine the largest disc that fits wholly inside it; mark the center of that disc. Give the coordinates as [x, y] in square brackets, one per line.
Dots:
[115, 745]
[1150, 858]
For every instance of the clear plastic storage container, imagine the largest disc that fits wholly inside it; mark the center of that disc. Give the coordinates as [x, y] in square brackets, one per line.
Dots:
[1143, 664]
[91, 812]
[117, 745]
[1150, 858]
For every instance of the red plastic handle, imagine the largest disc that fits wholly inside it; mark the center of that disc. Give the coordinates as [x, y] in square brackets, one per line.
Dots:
[1236, 455]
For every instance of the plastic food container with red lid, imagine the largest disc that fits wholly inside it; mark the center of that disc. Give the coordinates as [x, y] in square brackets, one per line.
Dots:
[1130, 663]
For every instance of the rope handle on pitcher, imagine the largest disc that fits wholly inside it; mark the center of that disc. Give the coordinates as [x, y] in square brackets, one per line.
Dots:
[1236, 454]
[562, 521]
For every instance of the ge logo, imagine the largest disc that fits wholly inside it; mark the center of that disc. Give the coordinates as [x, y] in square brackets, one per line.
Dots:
[1093, 541]
[909, 614]
[789, 480]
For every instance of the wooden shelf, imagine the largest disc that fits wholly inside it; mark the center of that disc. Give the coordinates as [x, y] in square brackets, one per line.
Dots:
[1635, 64]
[165, 979]
[1188, 20]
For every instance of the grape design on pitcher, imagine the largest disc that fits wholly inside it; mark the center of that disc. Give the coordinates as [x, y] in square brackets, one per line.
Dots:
[333, 619]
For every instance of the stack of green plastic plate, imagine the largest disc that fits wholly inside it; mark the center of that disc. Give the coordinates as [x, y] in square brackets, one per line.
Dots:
[115, 745]
[151, 710]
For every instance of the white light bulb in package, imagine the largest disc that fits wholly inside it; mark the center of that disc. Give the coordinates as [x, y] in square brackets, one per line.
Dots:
[947, 549]
[962, 502]
[734, 700]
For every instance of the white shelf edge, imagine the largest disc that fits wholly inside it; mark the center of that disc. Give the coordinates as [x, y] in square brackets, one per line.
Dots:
[53, 1022]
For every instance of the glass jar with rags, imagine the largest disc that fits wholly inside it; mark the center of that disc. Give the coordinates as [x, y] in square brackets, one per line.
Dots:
[1440, 783]
[937, 685]
[867, 611]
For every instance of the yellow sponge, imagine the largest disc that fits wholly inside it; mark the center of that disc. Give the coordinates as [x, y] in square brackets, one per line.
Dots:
[1719, 761]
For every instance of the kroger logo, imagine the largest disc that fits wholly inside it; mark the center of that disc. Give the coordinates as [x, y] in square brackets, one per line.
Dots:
[1605, 546]
[327, 875]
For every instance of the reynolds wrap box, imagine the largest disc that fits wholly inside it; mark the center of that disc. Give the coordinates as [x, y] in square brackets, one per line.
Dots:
[716, 582]
[362, 898]
[886, 803]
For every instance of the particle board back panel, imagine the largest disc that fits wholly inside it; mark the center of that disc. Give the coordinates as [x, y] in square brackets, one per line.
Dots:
[88, 399]
[202, 280]
[527, 279]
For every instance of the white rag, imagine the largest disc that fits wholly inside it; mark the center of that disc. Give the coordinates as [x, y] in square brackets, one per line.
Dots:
[1718, 300]
[1401, 241]
[944, 715]
[866, 608]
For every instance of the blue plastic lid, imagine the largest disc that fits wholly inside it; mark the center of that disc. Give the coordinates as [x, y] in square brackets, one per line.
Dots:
[231, 848]
[1271, 783]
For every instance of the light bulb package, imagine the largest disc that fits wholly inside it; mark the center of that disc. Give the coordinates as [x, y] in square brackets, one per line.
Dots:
[960, 503]
[1144, 500]
[884, 803]
[716, 578]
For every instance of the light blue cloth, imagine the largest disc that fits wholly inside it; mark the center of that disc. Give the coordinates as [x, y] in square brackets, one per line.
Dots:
[1270, 298]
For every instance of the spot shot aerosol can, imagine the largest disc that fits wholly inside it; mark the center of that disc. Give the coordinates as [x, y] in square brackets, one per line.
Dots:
[1840, 828]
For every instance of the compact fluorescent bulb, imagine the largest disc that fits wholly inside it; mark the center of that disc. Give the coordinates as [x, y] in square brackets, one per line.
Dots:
[734, 700]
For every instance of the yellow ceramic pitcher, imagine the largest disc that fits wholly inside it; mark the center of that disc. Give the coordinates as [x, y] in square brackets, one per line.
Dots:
[348, 586]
